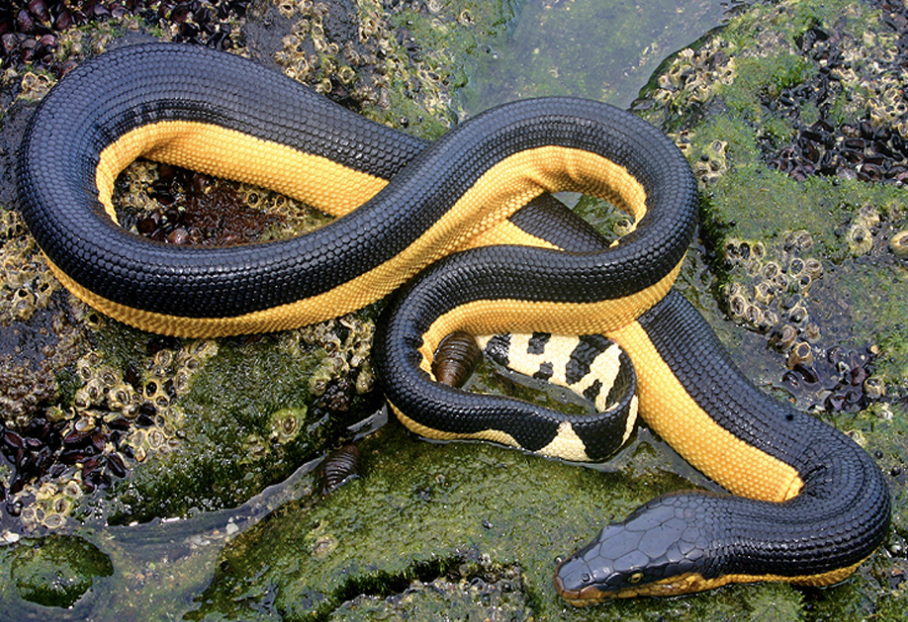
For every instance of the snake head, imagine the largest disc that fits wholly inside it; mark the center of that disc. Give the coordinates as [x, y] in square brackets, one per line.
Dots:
[658, 551]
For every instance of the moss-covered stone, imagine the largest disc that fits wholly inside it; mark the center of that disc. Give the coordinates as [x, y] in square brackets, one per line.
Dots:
[253, 412]
[453, 528]
[421, 513]
[55, 571]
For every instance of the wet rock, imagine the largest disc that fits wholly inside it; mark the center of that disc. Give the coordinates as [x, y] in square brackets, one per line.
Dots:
[206, 438]
[38, 33]
[56, 571]
[496, 596]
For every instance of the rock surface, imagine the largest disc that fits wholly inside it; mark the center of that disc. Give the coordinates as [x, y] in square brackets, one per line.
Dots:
[163, 477]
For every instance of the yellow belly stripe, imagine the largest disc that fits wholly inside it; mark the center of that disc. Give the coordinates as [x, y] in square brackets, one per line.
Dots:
[672, 414]
[504, 188]
[484, 317]
[325, 185]
[495, 436]
[694, 582]
[566, 445]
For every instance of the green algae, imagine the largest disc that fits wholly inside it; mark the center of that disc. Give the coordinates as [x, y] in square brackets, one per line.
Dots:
[465, 510]
[478, 598]
[747, 200]
[247, 423]
[764, 76]
[54, 571]
[755, 202]
[446, 40]
[420, 512]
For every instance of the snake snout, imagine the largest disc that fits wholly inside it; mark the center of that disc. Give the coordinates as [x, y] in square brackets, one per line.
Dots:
[575, 581]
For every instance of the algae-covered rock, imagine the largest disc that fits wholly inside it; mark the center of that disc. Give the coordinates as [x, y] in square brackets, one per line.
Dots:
[425, 519]
[56, 571]
[801, 176]
[251, 414]
[791, 116]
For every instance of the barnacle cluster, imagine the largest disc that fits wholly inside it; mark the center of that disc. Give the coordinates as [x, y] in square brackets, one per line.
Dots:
[313, 54]
[712, 163]
[770, 293]
[24, 387]
[308, 56]
[867, 232]
[856, 123]
[40, 341]
[53, 37]
[33, 86]
[166, 378]
[347, 343]
[114, 417]
[356, 55]
[294, 217]
[694, 76]
[869, 68]
[27, 282]
[773, 295]
[53, 503]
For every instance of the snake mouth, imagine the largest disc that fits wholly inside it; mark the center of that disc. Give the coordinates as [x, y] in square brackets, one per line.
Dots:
[585, 596]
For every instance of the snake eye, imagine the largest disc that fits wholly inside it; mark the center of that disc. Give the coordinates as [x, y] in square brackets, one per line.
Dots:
[635, 578]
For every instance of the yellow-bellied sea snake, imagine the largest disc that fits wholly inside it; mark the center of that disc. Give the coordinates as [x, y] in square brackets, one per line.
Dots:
[807, 504]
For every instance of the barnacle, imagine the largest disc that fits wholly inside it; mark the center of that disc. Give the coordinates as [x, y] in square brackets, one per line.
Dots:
[26, 284]
[798, 315]
[795, 267]
[365, 379]
[811, 331]
[771, 270]
[860, 240]
[764, 292]
[800, 354]
[287, 423]
[813, 268]
[737, 305]
[874, 388]
[898, 244]
[869, 216]
[783, 336]
[694, 76]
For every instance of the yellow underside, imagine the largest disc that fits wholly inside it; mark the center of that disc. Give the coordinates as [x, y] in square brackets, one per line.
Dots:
[690, 583]
[484, 317]
[328, 186]
[672, 413]
[566, 444]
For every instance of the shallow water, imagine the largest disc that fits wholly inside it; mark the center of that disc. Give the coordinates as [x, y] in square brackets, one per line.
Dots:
[586, 48]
